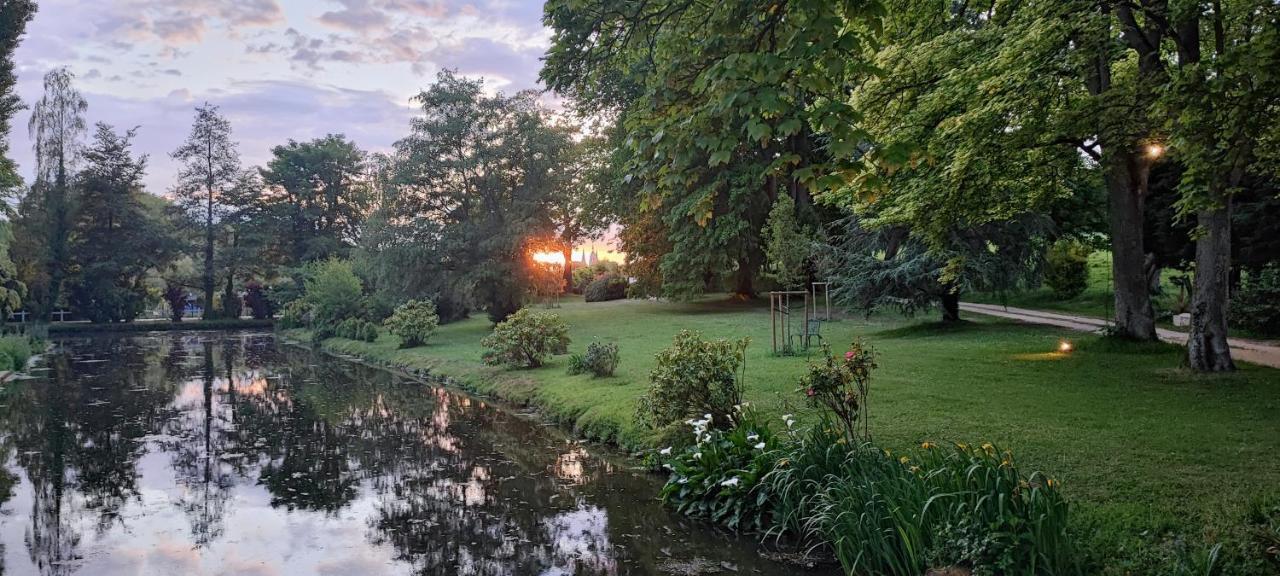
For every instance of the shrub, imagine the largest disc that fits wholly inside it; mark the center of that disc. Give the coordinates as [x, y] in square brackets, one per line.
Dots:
[692, 377]
[600, 360]
[16, 351]
[841, 386]
[525, 339]
[333, 292]
[368, 331]
[413, 322]
[719, 477]
[256, 298]
[175, 295]
[1067, 268]
[607, 287]
[1256, 305]
[296, 314]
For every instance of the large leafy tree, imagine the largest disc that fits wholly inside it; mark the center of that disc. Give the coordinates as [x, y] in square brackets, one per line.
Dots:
[314, 197]
[473, 186]
[1222, 102]
[210, 169]
[117, 241]
[57, 127]
[723, 104]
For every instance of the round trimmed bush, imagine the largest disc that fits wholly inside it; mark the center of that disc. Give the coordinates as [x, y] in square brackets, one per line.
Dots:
[1067, 268]
[414, 322]
[525, 339]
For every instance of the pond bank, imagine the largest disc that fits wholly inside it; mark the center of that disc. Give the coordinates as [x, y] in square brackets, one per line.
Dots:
[72, 328]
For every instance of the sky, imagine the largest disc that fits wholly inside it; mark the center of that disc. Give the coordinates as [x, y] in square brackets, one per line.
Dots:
[279, 69]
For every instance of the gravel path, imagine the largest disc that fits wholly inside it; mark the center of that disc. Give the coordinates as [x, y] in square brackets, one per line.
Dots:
[1252, 351]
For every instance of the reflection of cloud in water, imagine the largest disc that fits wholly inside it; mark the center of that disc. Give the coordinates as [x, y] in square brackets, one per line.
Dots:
[580, 542]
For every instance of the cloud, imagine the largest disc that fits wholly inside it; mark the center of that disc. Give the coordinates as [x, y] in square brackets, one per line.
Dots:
[356, 16]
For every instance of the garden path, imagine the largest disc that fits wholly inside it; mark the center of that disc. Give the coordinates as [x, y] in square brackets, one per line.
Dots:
[1252, 351]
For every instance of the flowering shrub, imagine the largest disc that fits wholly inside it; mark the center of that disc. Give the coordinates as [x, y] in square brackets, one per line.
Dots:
[719, 476]
[414, 322]
[841, 386]
[525, 339]
[694, 376]
[600, 360]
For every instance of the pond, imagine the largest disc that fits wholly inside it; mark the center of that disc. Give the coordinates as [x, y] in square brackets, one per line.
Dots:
[203, 453]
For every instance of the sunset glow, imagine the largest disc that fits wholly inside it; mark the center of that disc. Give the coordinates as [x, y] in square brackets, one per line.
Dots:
[549, 258]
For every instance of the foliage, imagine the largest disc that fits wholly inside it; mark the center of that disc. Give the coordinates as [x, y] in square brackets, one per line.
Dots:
[474, 228]
[210, 172]
[585, 275]
[1067, 268]
[319, 198]
[892, 267]
[296, 314]
[787, 247]
[601, 359]
[175, 295]
[14, 16]
[12, 291]
[117, 241]
[606, 287]
[842, 387]
[1256, 305]
[718, 105]
[43, 226]
[332, 292]
[942, 507]
[525, 339]
[14, 352]
[720, 477]
[260, 306]
[357, 329]
[694, 376]
[414, 322]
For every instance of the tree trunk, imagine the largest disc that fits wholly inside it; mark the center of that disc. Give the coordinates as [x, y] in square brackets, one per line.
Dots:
[1207, 348]
[745, 288]
[951, 306]
[208, 262]
[567, 251]
[1126, 176]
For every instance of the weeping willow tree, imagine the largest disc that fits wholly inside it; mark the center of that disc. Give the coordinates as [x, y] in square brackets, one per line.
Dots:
[874, 268]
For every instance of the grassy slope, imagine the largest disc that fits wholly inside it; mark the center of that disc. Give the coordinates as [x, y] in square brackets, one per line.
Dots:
[1134, 438]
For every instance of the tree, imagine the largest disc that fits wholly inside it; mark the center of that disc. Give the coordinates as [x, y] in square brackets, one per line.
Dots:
[1221, 97]
[44, 220]
[115, 241]
[315, 198]
[474, 182]
[722, 104]
[14, 16]
[210, 168]
[984, 109]
[578, 207]
[787, 246]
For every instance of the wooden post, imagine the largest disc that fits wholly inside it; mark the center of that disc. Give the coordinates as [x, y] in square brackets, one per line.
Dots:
[773, 324]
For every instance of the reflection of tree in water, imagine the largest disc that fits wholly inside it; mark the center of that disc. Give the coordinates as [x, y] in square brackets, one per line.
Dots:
[78, 440]
[457, 487]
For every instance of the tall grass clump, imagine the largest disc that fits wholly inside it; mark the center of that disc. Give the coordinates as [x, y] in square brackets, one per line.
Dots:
[15, 351]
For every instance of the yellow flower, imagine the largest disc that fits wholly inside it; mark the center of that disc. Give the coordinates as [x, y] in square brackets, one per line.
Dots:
[915, 469]
[988, 448]
[927, 445]
[1052, 483]
[1006, 463]
[904, 459]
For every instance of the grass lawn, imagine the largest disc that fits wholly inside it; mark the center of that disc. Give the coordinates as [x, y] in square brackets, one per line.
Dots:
[1137, 442]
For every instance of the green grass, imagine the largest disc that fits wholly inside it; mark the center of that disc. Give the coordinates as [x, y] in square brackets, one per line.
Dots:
[1138, 442]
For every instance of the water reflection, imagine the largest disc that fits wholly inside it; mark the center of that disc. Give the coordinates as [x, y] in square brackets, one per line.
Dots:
[212, 454]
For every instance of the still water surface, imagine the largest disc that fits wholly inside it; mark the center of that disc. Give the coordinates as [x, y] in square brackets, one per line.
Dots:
[202, 453]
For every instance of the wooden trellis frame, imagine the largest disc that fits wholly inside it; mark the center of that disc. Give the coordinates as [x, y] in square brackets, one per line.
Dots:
[780, 313]
[826, 295]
